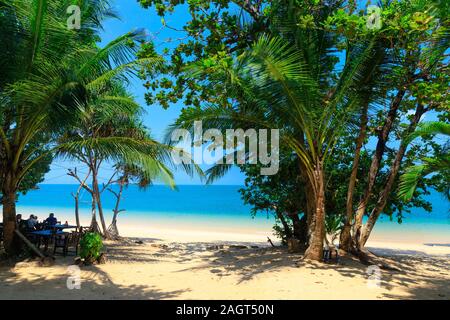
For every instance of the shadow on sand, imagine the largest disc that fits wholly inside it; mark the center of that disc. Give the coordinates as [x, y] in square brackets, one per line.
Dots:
[95, 285]
[249, 263]
[421, 276]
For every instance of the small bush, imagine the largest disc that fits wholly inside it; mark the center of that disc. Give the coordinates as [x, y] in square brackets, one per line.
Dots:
[90, 247]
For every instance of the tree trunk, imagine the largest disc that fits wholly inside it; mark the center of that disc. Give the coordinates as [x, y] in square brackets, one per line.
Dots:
[97, 197]
[113, 231]
[77, 211]
[300, 229]
[315, 249]
[308, 222]
[376, 160]
[9, 221]
[345, 241]
[94, 223]
[384, 195]
[287, 229]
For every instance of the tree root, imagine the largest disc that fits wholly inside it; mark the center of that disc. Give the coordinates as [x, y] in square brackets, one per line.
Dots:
[368, 258]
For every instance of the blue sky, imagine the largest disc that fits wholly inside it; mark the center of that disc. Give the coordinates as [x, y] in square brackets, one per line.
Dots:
[156, 118]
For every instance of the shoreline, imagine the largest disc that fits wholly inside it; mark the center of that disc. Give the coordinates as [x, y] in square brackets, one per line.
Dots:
[209, 261]
[185, 228]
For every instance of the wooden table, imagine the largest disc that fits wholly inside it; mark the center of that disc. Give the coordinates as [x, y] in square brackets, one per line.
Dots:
[46, 235]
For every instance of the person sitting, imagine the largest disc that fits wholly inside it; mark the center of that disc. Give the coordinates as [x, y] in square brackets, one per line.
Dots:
[51, 220]
[18, 219]
[32, 222]
[21, 223]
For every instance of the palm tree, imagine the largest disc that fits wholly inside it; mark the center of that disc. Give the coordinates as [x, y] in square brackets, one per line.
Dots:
[438, 164]
[276, 88]
[113, 117]
[51, 78]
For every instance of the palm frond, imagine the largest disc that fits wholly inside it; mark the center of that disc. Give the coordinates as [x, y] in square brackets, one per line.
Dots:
[428, 129]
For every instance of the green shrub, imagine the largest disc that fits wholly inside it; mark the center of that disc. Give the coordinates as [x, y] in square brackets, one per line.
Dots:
[90, 246]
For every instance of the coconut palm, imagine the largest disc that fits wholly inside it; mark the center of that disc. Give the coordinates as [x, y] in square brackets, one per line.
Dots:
[276, 88]
[51, 79]
[113, 117]
[439, 164]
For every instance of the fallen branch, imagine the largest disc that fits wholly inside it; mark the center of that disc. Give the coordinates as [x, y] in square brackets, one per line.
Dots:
[46, 261]
[29, 244]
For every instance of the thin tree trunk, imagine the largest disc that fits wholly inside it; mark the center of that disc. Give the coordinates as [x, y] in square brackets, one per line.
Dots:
[315, 249]
[112, 229]
[384, 195]
[345, 237]
[117, 207]
[97, 198]
[77, 213]
[376, 160]
[76, 196]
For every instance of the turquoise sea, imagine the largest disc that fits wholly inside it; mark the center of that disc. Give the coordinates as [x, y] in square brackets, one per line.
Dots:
[217, 206]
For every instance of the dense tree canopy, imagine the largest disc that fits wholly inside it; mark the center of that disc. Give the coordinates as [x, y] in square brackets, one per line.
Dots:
[387, 77]
[52, 79]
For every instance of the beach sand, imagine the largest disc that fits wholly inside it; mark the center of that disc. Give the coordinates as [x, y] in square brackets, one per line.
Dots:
[178, 264]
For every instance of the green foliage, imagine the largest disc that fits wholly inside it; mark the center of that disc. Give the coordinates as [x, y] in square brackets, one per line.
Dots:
[293, 78]
[91, 246]
[55, 79]
[333, 224]
[214, 29]
[281, 195]
[440, 164]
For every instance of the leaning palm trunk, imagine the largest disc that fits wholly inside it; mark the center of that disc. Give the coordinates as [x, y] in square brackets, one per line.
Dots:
[317, 227]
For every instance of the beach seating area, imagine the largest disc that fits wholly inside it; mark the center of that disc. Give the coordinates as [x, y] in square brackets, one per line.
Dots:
[49, 236]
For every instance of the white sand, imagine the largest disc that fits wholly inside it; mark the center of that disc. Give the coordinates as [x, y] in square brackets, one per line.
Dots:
[180, 264]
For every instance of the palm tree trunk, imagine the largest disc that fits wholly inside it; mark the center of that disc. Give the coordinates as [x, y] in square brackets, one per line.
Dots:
[315, 249]
[345, 241]
[9, 220]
